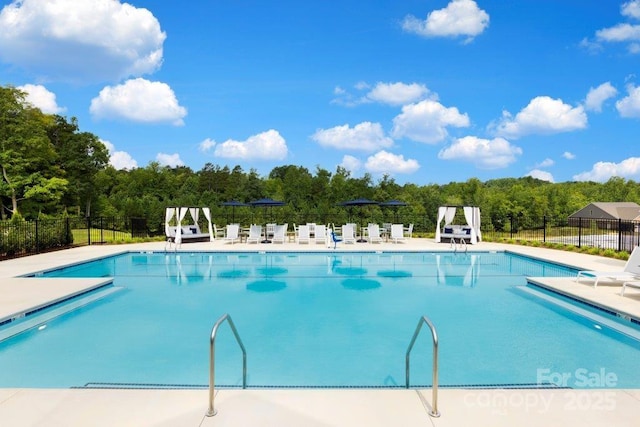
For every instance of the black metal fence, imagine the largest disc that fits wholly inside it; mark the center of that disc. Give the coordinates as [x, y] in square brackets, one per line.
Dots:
[30, 237]
[20, 238]
[614, 234]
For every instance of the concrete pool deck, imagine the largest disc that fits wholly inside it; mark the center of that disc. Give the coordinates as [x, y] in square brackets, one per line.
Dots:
[320, 407]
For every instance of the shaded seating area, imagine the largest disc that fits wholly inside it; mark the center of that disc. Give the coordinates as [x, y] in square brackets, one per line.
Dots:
[181, 225]
[469, 232]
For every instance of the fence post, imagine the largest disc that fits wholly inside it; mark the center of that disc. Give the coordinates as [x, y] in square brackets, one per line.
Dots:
[37, 237]
[511, 226]
[580, 232]
[619, 234]
[88, 231]
[544, 229]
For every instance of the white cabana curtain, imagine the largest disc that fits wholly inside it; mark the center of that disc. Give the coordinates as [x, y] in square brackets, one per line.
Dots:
[447, 213]
[441, 212]
[168, 215]
[207, 214]
[195, 213]
[476, 222]
[468, 216]
[182, 213]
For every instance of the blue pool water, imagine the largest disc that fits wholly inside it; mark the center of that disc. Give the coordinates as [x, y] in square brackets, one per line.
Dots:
[311, 319]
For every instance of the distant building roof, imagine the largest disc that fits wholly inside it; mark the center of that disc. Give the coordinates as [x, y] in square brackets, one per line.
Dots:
[609, 210]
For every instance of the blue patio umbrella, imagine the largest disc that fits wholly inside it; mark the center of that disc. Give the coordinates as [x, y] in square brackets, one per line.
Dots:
[394, 204]
[359, 202]
[233, 204]
[266, 203]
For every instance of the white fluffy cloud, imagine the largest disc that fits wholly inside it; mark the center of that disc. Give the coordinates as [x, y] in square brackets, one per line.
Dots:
[350, 163]
[40, 97]
[629, 106]
[139, 100]
[568, 155]
[541, 175]
[119, 159]
[88, 40]
[459, 18]
[394, 94]
[484, 153]
[397, 93]
[545, 163]
[543, 115]
[171, 160]
[631, 9]
[624, 32]
[385, 162]
[365, 136]
[427, 121]
[269, 145]
[597, 96]
[602, 171]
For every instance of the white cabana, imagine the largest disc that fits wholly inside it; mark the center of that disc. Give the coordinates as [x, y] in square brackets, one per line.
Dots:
[187, 232]
[471, 231]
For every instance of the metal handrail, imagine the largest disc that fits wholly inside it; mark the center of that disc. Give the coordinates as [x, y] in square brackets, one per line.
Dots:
[424, 319]
[212, 356]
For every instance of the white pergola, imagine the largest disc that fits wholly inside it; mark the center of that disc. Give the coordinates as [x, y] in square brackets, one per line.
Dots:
[471, 215]
[180, 214]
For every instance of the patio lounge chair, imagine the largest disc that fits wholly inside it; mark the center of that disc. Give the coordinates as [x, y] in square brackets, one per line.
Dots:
[373, 232]
[320, 235]
[303, 234]
[255, 234]
[279, 233]
[348, 233]
[233, 233]
[409, 231]
[632, 284]
[218, 233]
[397, 233]
[630, 272]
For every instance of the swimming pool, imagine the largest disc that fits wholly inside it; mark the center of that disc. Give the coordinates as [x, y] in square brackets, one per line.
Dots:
[317, 320]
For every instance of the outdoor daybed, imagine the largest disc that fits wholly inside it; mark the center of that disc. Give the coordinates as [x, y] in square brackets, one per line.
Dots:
[183, 233]
[470, 232]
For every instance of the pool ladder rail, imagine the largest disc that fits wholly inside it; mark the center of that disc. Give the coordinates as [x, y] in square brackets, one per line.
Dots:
[212, 356]
[462, 244]
[434, 388]
[211, 411]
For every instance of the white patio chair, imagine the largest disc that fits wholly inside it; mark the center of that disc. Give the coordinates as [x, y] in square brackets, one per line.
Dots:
[255, 234]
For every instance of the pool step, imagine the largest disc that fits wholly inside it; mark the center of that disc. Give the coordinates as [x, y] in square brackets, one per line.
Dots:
[594, 317]
[41, 316]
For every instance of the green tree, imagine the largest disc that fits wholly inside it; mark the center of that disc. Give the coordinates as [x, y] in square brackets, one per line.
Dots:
[27, 157]
[81, 155]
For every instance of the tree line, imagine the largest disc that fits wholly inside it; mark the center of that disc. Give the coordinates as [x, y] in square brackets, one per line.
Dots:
[51, 168]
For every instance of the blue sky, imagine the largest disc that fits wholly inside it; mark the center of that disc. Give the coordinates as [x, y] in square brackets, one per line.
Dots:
[429, 91]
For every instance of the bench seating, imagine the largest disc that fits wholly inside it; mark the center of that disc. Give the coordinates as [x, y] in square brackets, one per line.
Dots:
[190, 233]
[456, 232]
